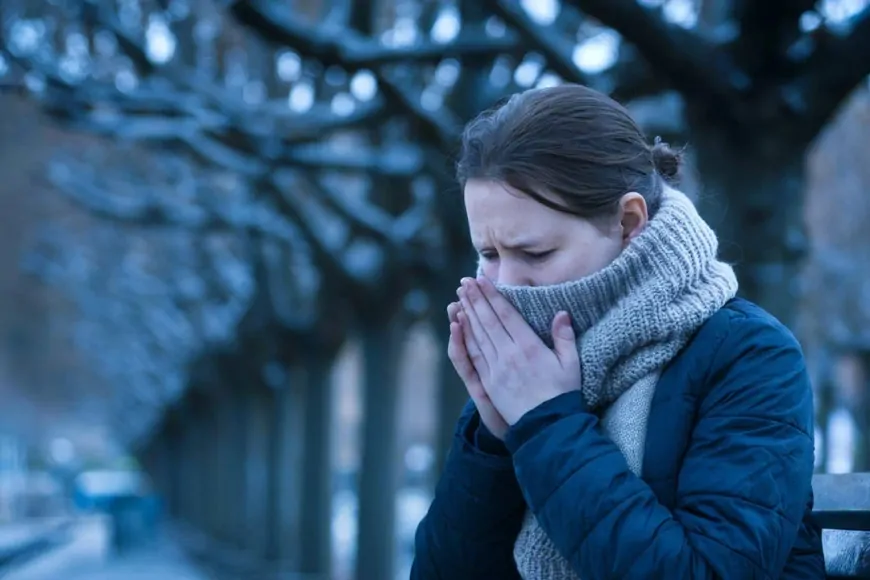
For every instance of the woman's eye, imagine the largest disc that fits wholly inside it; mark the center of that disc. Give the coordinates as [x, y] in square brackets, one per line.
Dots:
[539, 255]
[489, 255]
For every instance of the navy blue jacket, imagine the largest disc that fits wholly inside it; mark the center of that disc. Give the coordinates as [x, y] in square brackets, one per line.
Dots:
[725, 490]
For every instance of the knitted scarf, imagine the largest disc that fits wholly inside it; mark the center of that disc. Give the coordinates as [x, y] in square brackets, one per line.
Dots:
[631, 319]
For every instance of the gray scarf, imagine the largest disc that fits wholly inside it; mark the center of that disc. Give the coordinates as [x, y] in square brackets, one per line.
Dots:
[633, 316]
[631, 319]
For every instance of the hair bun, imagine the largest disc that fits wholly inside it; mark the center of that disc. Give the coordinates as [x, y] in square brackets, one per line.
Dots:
[667, 162]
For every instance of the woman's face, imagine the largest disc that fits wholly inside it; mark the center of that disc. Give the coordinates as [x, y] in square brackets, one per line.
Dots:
[524, 243]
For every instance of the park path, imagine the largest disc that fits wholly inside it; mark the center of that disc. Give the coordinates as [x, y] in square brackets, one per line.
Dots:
[87, 557]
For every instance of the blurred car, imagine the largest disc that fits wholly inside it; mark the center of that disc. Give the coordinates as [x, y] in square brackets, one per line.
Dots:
[126, 496]
[96, 490]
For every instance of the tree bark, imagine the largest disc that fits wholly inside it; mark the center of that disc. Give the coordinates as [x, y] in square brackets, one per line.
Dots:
[225, 443]
[212, 474]
[451, 398]
[191, 440]
[170, 437]
[237, 455]
[376, 539]
[316, 497]
[753, 196]
[861, 411]
[452, 394]
[274, 483]
[824, 390]
[256, 470]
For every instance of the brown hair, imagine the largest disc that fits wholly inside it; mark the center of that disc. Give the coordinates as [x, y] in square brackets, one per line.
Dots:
[571, 142]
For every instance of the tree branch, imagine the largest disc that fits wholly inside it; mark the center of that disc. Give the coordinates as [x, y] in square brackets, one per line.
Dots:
[311, 125]
[141, 208]
[403, 160]
[397, 232]
[557, 48]
[314, 234]
[631, 77]
[441, 126]
[766, 31]
[286, 31]
[690, 64]
[216, 153]
[207, 139]
[334, 44]
[243, 141]
[833, 71]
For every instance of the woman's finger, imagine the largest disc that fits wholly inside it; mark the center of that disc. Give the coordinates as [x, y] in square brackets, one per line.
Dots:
[475, 327]
[498, 333]
[452, 310]
[459, 357]
[511, 320]
[472, 348]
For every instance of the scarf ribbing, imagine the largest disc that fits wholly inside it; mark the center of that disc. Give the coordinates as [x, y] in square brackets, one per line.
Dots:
[635, 315]
[631, 319]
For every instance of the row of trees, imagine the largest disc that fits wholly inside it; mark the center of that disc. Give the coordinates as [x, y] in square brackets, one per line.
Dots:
[284, 172]
[370, 208]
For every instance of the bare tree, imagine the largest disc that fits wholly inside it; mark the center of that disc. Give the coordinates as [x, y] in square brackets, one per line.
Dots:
[150, 298]
[756, 82]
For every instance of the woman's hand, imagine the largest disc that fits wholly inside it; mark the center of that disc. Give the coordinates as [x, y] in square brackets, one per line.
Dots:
[460, 333]
[515, 368]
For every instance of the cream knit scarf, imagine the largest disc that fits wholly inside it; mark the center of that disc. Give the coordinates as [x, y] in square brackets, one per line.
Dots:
[631, 319]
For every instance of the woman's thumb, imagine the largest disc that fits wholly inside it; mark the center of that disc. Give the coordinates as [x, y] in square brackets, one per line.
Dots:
[563, 337]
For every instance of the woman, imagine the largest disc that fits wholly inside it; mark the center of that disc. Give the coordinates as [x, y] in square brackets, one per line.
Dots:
[631, 418]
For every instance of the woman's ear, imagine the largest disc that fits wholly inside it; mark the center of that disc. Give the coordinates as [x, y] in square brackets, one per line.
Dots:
[633, 216]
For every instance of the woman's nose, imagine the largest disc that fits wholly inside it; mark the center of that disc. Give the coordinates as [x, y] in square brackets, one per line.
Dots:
[511, 274]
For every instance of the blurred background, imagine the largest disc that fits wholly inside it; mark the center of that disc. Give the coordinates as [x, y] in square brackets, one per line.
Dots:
[230, 230]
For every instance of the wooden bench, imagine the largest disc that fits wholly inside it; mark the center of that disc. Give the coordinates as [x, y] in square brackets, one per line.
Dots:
[842, 509]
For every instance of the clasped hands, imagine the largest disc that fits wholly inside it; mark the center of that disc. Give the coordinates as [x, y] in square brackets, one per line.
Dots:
[507, 369]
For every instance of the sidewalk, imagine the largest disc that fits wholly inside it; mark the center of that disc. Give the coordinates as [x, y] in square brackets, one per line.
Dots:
[23, 539]
[17, 533]
[87, 557]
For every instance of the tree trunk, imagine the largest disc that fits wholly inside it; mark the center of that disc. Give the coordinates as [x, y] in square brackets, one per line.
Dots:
[451, 391]
[275, 460]
[236, 460]
[451, 398]
[191, 445]
[316, 507]
[225, 443]
[861, 415]
[212, 474]
[753, 196]
[376, 539]
[170, 438]
[824, 390]
[256, 467]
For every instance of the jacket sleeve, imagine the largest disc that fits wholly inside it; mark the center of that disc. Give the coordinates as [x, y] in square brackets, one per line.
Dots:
[475, 516]
[741, 491]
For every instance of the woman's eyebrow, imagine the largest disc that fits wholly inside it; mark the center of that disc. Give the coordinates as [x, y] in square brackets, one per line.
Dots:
[523, 244]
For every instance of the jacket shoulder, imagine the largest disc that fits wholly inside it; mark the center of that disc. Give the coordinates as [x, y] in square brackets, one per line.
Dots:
[738, 325]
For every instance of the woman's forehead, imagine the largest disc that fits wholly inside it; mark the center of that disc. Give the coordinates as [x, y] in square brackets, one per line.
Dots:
[512, 220]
